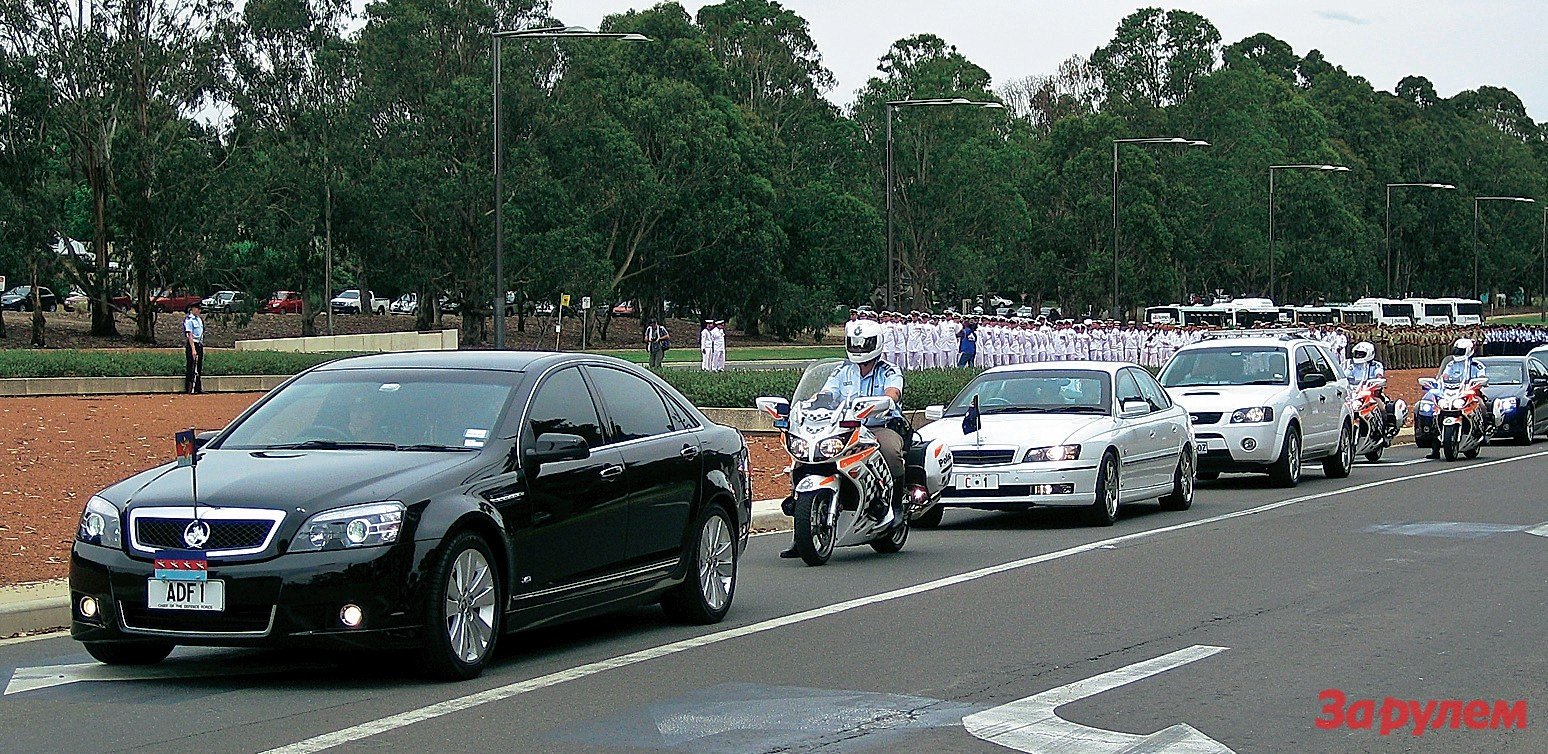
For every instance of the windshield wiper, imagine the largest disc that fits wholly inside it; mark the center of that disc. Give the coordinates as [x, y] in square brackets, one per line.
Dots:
[1079, 410]
[333, 445]
[436, 448]
[1012, 410]
[1264, 382]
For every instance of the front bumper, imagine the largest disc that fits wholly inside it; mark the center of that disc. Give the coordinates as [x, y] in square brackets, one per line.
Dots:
[1233, 447]
[1018, 486]
[290, 600]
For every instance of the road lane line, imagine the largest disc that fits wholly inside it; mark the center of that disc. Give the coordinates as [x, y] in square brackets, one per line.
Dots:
[440, 709]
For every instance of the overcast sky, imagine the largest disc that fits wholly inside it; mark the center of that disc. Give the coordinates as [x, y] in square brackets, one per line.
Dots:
[1457, 44]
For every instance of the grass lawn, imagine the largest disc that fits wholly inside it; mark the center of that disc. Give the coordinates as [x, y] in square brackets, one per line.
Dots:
[748, 353]
[1512, 319]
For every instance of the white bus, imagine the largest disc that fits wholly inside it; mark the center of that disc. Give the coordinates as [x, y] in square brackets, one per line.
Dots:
[1430, 312]
[1386, 311]
[1465, 311]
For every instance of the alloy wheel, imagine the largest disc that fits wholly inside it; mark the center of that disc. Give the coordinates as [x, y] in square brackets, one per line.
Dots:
[1187, 477]
[717, 564]
[1111, 489]
[470, 606]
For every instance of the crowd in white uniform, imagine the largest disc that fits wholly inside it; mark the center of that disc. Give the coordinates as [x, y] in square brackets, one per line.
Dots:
[712, 346]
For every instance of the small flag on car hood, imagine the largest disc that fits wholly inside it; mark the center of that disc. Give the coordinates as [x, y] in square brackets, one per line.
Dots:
[970, 421]
[185, 448]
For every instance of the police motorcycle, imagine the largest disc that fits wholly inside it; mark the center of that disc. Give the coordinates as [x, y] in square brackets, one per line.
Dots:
[1376, 420]
[842, 492]
[1458, 413]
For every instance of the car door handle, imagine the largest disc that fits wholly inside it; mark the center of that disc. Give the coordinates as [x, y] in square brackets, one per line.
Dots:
[689, 451]
[612, 472]
[1152, 434]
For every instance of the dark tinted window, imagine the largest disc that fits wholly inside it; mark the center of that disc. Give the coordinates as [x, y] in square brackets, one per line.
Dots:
[1305, 366]
[1154, 395]
[1323, 365]
[563, 405]
[681, 419]
[1128, 388]
[634, 408]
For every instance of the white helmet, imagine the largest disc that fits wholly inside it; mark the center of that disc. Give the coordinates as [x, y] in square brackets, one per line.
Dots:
[862, 340]
[1363, 352]
[1462, 349]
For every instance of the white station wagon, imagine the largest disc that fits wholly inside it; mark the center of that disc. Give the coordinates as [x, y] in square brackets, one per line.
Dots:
[1084, 434]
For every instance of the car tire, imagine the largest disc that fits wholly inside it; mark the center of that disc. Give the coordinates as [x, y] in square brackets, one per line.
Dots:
[709, 584]
[1181, 498]
[1338, 465]
[1286, 472]
[1104, 510]
[128, 652]
[928, 519]
[463, 603]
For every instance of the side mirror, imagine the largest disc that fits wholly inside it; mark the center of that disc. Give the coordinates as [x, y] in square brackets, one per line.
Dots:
[775, 407]
[1428, 383]
[1539, 380]
[1313, 381]
[1377, 383]
[203, 438]
[880, 404]
[935, 413]
[1130, 409]
[554, 447]
[1478, 382]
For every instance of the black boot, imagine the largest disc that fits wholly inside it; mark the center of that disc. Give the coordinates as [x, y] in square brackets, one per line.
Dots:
[790, 553]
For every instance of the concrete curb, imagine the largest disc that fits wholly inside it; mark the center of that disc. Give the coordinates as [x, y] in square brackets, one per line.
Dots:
[15, 387]
[34, 607]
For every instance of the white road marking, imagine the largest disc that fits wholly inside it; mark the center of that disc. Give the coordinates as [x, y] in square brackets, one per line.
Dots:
[48, 676]
[1409, 462]
[1541, 531]
[1030, 725]
[440, 709]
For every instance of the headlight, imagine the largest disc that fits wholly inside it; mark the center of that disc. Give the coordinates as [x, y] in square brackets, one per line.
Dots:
[356, 526]
[1505, 404]
[100, 524]
[1425, 407]
[1055, 453]
[1256, 415]
[1457, 403]
[832, 446]
[799, 446]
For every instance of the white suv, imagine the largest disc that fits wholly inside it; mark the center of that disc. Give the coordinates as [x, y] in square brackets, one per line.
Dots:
[1262, 402]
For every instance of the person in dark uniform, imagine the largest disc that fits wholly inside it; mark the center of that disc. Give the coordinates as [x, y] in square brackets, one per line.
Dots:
[193, 351]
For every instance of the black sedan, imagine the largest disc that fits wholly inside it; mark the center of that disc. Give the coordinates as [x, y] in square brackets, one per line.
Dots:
[428, 501]
[19, 299]
[1518, 395]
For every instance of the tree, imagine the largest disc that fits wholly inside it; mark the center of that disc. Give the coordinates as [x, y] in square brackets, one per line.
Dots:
[1156, 57]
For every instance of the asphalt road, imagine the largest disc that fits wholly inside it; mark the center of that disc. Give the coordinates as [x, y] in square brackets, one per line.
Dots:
[1414, 580]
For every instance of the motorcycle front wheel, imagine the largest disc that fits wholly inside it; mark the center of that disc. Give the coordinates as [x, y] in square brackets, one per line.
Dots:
[814, 536]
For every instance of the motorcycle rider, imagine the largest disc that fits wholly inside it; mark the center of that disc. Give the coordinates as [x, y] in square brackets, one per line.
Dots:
[867, 374]
[1364, 367]
[1462, 368]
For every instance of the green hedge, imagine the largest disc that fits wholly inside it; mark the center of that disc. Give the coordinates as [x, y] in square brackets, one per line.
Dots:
[738, 388]
[127, 363]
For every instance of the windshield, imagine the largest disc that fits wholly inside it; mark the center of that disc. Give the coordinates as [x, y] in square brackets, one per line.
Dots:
[1397, 310]
[1246, 365]
[1437, 310]
[414, 409]
[1042, 391]
[812, 382]
[351, 293]
[1163, 315]
[1470, 308]
[1504, 372]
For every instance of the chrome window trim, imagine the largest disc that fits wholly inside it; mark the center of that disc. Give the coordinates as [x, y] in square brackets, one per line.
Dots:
[207, 513]
[124, 623]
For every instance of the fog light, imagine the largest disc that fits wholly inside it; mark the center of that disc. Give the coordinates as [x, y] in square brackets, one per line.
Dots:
[1249, 444]
[351, 616]
[88, 607]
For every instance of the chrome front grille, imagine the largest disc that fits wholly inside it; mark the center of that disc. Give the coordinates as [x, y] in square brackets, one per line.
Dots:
[975, 457]
[232, 531]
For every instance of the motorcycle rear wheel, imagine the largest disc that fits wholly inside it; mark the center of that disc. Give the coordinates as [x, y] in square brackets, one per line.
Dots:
[894, 540]
[814, 537]
[1375, 455]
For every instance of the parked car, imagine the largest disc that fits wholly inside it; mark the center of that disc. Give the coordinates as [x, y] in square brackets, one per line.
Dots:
[408, 303]
[283, 302]
[434, 501]
[1517, 393]
[225, 302]
[1263, 403]
[348, 302]
[19, 299]
[1089, 435]
[77, 301]
[166, 300]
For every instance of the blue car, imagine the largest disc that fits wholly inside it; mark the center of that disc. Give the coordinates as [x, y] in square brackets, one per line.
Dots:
[1517, 396]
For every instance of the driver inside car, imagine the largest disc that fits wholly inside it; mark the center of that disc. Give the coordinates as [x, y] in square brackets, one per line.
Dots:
[866, 374]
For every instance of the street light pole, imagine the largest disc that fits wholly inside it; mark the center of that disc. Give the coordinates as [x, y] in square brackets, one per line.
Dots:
[1145, 140]
[892, 267]
[1542, 291]
[1391, 282]
[553, 32]
[1477, 200]
[1272, 169]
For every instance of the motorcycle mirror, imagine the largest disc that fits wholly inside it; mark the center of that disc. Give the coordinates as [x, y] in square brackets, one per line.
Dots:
[1428, 383]
[1478, 382]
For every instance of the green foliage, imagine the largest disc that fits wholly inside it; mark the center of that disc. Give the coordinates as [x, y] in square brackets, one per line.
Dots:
[128, 363]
